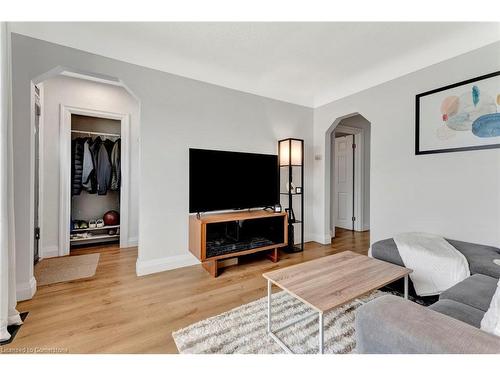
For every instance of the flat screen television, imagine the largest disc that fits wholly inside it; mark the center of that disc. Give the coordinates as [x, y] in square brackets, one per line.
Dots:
[223, 180]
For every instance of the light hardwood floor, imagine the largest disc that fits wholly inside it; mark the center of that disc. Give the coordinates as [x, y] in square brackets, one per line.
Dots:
[118, 312]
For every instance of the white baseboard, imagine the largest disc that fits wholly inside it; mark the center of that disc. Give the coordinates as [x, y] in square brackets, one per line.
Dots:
[308, 237]
[49, 252]
[315, 237]
[133, 241]
[322, 239]
[146, 267]
[27, 290]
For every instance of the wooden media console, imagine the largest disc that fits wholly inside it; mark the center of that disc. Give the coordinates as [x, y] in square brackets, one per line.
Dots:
[213, 237]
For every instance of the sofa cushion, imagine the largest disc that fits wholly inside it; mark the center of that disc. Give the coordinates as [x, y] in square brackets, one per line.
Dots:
[479, 257]
[390, 324]
[476, 291]
[459, 311]
[388, 251]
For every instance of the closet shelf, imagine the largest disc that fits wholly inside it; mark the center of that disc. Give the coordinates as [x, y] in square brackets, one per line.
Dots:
[95, 238]
[92, 229]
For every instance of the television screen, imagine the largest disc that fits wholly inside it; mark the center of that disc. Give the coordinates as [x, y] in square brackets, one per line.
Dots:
[223, 180]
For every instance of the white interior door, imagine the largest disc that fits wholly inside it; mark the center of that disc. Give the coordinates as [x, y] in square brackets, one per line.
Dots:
[344, 181]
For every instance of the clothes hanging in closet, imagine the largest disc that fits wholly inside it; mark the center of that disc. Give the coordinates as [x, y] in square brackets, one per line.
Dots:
[103, 169]
[95, 165]
[116, 166]
[76, 165]
[88, 164]
[91, 184]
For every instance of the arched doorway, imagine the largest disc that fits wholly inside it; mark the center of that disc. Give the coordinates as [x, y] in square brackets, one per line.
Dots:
[90, 101]
[347, 174]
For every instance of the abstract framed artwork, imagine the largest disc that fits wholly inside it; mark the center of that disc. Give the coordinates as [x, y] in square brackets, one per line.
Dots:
[460, 117]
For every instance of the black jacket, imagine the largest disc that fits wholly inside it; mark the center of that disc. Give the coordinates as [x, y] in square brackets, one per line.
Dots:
[76, 165]
[91, 185]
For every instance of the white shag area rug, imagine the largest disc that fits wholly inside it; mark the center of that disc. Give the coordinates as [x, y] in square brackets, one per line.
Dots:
[243, 330]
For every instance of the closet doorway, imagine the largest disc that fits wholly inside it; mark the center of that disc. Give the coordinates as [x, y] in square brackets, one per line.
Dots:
[94, 181]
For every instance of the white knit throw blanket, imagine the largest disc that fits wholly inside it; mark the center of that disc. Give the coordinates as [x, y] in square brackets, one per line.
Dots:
[436, 264]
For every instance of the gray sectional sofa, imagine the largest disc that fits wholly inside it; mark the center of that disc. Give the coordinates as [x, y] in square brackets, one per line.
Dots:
[480, 257]
[451, 325]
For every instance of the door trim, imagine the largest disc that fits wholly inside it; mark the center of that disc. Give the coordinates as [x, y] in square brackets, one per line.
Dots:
[65, 172]
[359, 183]
[343, 197]
[41, 169]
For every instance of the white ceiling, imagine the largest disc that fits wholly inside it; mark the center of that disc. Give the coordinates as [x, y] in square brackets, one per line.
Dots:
[304, 63]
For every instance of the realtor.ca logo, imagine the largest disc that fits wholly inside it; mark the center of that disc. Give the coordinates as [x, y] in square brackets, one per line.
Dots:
[33, 350]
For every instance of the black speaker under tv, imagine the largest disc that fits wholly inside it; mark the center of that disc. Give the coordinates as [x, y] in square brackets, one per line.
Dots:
[224, 180]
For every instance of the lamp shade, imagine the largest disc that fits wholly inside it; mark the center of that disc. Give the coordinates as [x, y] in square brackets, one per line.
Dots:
[290, 151]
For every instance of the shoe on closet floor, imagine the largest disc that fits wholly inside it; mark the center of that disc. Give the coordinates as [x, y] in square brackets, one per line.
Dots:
[100, 223]
[80, 224]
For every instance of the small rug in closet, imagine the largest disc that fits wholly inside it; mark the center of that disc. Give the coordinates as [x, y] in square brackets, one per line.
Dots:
[68, 268]
[244, 329]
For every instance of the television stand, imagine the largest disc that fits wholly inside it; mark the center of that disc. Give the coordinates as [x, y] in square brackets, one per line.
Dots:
[214, 237]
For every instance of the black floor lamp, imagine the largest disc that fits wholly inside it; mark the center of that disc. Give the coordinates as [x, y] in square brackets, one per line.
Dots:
[291, 160]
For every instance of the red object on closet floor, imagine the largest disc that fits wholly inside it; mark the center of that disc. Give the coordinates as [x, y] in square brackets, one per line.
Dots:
[111, 218]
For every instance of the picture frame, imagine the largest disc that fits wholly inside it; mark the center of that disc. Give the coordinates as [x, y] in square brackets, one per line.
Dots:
[463, 116]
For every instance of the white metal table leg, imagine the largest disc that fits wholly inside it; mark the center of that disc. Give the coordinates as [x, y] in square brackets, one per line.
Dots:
[276, 338]
[406, 286]
[269, 290]
[320, 333]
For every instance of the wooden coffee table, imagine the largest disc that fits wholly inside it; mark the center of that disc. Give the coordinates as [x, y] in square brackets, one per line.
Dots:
[329, 282]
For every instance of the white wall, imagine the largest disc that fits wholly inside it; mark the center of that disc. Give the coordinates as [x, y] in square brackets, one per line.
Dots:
[453, 194]
[176, 113]
[89, 95]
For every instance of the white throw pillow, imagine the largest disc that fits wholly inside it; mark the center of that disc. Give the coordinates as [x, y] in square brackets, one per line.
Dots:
[491, 320]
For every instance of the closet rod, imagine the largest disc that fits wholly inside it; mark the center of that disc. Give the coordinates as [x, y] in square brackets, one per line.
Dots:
[95, 133]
